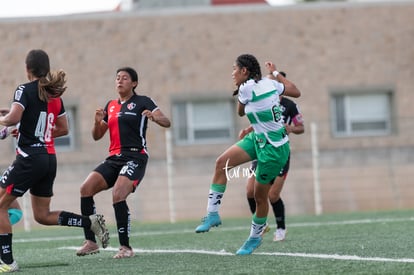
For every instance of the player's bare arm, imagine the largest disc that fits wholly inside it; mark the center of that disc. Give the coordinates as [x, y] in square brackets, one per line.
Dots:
[61, 127]
[290, 88]
[158, 117]
[12, 117]
[99, 127]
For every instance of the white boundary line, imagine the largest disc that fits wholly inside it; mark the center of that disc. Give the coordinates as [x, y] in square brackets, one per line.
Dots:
[337, 257]
[234, 228]
[225, 253]
[161, 251]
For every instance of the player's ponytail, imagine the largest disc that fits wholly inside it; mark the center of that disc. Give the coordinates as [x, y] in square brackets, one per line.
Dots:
[51, 85]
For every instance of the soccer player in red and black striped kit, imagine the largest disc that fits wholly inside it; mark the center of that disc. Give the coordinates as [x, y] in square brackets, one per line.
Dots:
[126, 118]
[38, 109]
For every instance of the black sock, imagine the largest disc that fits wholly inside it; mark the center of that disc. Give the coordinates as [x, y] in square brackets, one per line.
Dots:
[252, 204]
[122, 222]
[6, 248]
[279, 211]
[87, 209]
[72, 219]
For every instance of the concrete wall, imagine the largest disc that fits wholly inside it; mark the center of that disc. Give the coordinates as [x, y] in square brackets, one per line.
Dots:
[190, 53]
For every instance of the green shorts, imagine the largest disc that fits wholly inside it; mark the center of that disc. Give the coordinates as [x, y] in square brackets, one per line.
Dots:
[270, 159]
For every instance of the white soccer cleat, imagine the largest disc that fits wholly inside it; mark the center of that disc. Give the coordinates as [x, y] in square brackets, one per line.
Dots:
[7, 268]
[99, 228]
[279, 235]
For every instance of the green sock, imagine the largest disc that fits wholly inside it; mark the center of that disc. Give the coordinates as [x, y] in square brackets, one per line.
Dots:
[257, 220]
[218, 187]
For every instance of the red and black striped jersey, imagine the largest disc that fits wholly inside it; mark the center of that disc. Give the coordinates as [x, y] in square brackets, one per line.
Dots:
[127, 126]
[38, 120]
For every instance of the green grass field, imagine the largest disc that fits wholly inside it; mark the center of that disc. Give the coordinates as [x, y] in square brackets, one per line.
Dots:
[355, 243]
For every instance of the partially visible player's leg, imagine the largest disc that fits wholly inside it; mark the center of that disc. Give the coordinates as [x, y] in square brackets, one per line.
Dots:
[278, 208]
[15, 212]
[250, 188]
[7, 262]
[232, 157]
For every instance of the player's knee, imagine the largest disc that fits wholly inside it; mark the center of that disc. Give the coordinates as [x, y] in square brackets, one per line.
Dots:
[250, 193]
[260, 200]
[83, 191]
[222, 168]
[274, 197]
[41, 217]
[15, 215]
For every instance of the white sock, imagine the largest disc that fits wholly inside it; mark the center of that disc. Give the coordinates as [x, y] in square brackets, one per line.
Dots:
[214, 201]
[256, 230]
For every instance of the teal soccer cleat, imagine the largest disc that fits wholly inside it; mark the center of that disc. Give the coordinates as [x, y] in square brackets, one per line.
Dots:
[249, 246]
[212, 219]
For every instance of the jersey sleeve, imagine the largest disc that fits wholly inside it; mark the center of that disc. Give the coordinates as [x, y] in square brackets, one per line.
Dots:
[280, 88]
[62, 108]
[294, 113]
[150, 104]
[20, 97]
[297, 117]
[245, 94]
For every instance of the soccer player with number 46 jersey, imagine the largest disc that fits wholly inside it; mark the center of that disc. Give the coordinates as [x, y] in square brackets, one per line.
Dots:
[38, 109]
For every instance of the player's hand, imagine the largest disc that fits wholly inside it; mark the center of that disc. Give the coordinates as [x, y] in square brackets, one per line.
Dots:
[288, 129]
[4, 111]
[14, 132]
[245, 131]
[270, 66]
[148, 114]
[99, 115]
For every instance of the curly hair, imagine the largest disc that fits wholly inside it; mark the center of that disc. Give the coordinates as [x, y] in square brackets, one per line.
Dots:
[51, 85]
[249, 62]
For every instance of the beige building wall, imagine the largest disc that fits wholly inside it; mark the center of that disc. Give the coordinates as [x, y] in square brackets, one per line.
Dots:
[323, 47]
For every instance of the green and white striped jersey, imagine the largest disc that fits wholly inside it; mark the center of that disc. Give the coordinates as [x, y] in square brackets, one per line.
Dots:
[262, 108]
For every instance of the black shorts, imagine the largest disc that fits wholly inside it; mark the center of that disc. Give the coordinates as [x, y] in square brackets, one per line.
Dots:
[131, 165]
[35, 172]
[282, 173]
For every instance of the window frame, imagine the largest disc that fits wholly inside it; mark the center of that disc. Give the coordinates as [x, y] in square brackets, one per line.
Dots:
[348, 119]
[191, 128]
[71, 115]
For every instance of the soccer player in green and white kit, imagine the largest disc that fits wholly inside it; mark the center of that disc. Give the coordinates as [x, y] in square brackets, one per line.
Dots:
[293, 120]
[258, 99]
